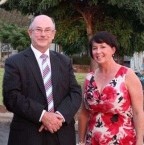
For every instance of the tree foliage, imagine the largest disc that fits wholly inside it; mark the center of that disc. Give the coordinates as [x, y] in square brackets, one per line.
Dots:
[14, 35]
[78, 20]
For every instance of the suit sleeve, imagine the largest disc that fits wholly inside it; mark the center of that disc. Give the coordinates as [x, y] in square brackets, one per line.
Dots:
[70, 105]
[13, 96]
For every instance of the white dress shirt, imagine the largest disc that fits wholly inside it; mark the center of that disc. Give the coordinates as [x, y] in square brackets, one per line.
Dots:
[39, 60]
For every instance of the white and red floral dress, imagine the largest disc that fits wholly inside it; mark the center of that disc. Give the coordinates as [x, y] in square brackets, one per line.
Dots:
[111, 117]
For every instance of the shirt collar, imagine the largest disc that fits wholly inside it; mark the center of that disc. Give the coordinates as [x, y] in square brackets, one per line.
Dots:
[38, 53]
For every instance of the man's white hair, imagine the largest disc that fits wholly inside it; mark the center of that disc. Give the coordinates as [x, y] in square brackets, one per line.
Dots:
[2, 1]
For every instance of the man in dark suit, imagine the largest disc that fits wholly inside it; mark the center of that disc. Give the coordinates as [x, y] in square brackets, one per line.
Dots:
[38, 121]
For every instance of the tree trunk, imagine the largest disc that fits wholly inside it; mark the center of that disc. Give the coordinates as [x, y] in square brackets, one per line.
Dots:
[88, 18]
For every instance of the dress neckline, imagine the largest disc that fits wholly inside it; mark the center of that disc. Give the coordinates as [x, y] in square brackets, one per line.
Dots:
[101, 91]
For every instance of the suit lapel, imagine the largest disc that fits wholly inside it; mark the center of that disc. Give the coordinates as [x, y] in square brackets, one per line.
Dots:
[55, 73]
[32, 62]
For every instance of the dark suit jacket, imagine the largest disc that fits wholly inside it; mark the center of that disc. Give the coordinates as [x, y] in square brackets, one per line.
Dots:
[25, 96]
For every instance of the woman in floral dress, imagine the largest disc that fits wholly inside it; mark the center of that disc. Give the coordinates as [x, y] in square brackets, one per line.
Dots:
[112, 109]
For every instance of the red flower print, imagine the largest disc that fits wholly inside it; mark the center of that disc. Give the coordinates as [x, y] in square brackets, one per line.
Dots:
[113, 122]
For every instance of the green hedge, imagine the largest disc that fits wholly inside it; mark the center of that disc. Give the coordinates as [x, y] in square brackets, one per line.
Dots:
[81, 60]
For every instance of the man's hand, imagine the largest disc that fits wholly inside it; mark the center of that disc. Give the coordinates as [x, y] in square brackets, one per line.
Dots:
[51, 122]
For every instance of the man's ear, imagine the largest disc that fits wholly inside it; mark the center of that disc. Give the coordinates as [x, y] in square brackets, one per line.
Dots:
[29, 33]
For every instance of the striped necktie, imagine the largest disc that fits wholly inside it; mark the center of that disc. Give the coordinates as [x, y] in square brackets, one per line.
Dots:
[47, 82]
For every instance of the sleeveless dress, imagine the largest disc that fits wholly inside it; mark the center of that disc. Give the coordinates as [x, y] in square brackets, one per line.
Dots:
[111, 116]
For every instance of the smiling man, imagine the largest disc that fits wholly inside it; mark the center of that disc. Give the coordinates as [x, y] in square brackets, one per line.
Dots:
[40, 88]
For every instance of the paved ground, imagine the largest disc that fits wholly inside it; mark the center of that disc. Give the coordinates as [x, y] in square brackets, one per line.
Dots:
[4, 131]
[5, 120]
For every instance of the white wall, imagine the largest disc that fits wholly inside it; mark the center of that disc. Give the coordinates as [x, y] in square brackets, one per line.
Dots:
[137, 61]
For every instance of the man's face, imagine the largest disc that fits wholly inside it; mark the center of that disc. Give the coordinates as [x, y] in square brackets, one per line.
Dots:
[42, 33]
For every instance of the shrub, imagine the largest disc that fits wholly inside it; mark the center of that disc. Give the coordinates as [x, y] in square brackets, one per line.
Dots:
[85, 60]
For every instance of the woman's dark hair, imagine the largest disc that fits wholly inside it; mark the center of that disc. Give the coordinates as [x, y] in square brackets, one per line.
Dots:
[103, 37]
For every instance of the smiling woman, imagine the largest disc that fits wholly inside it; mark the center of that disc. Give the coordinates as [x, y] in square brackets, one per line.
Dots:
[112, 107]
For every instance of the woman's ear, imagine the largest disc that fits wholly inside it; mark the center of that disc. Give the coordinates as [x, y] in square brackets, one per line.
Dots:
[114, 50]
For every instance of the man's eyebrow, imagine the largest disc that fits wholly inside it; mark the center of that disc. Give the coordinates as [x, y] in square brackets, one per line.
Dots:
[44, 28]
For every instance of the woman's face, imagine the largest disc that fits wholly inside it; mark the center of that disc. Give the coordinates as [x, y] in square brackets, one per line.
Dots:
[102, 52]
